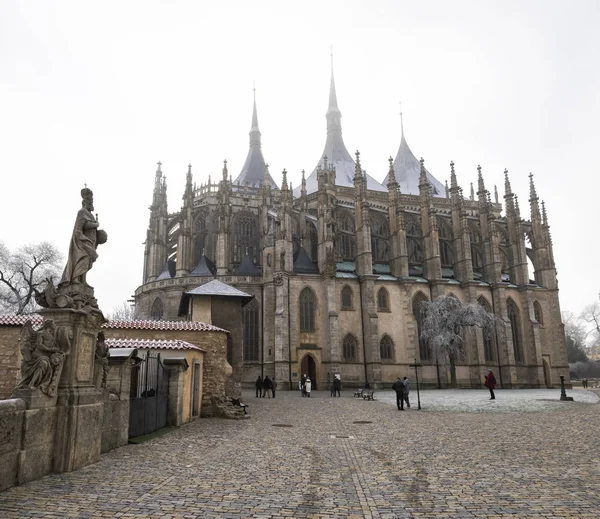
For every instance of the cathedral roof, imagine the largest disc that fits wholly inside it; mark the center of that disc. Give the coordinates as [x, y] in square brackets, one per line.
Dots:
[204, 268]
[247, 267]
[254, 170]
[336, 152]
[303, 264]
[407, 170]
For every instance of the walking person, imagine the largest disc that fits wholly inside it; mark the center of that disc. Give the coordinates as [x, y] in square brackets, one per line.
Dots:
[406, 383]
[267, 386]
[303, 385]
[273, 386]
[490, 383]
[258, 385]
[307, 387]
[398, 387]
[337, 384]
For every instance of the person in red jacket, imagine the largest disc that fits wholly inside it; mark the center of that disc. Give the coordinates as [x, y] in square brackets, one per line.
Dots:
[490, 383]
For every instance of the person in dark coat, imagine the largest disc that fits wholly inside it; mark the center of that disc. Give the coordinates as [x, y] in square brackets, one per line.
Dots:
[258, 385]
[267, 386]
[303, 385]
[398, 387]
[337, 384]
[490, 383]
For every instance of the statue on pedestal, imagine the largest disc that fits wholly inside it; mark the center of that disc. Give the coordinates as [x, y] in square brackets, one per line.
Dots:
[73, 290]
[42, 358]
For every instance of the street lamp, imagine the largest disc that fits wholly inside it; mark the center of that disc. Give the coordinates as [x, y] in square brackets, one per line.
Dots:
[416, 365]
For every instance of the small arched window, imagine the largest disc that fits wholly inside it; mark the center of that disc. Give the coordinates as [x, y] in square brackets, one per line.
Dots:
[537, 312]
[346, 298]
[383, 300]
[350, 347]
[488, 337]
[515, 325]
[158, 310]
[419, 298]
[386, 348]
[251, 331]
[307, 310]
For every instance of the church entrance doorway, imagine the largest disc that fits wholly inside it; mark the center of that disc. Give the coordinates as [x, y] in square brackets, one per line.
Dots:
[547, 375]
[308, 367]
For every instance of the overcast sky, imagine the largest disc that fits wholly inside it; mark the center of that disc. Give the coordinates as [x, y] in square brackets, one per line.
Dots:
[99, 92]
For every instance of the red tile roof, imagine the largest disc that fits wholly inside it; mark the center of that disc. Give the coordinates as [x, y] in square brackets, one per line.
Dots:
[151, 344]
[20, 320]
[163, 325]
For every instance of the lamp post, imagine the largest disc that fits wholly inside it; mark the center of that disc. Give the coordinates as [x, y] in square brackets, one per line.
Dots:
[416, 365]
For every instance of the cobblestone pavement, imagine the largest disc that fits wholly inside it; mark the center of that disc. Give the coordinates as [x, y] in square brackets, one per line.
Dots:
[341, 458]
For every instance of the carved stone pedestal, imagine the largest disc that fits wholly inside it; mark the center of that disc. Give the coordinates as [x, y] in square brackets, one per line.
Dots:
[79, 405]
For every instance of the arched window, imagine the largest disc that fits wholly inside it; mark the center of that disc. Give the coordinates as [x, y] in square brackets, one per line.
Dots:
[379, 237]
[515, 325]
[346, 238]
[383, 300]
[158, 310]
[475, 238]
[537, 312]
[424, 352]
[346, 298]
[350, 347]
[445, 238]
[413, 240]
[204, 235]
[307, 310]
[251, 331]
[386, 348]
[245, 237]
[488, 338]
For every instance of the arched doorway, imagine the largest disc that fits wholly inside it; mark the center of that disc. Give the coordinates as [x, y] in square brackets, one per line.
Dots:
[308, 367]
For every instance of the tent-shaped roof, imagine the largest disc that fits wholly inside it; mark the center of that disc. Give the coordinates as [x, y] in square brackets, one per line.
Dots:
[303, 264]
[205, 268]
[247, 267]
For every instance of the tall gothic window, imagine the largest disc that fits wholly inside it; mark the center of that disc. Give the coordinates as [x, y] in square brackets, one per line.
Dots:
[346, 298]
[346, 238]
[488, 341]
[314, 241]
[383, 300]
[307, 310]
[380, 234]
[349, 347]
[515, 325]
[445, 237]
[245, 237]
[424, 352]
[475, 238]
[413, 240]
[251, 331]
[158, 310]
[386, 348]
[537, 312]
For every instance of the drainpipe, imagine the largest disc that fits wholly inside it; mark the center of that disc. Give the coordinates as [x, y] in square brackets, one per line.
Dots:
[362, 322]
[262, 331]
[289, 335]
[497, 344]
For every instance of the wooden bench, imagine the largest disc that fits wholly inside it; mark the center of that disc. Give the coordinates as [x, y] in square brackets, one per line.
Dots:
[238, 403]
[358, 393]
[369, 395]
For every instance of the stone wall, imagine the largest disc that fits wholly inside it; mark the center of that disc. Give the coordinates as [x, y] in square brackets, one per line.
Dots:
[10, 359]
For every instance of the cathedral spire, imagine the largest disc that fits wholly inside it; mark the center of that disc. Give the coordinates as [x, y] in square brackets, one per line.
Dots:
[254, 131]
[188, 182]
[334, 116]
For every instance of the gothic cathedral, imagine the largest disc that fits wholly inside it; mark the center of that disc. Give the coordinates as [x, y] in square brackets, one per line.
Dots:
[339, 267]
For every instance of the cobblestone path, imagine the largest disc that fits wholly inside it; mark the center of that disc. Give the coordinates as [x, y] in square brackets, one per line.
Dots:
[341, 458]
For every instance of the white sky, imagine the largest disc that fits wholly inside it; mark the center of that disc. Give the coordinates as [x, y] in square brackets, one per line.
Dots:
[98, 92]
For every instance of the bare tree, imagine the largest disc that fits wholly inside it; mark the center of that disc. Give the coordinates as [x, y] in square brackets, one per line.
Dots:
[591, 315]
[577, 331]
[24, 271]
[443, 324]
[124, 312]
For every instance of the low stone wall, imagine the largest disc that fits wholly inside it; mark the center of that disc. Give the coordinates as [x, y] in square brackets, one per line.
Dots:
[27, 439]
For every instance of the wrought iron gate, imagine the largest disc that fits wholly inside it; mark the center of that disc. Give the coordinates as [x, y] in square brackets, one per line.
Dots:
[149, 396]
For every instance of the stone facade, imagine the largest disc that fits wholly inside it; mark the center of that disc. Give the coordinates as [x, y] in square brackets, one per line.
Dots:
[10, 359]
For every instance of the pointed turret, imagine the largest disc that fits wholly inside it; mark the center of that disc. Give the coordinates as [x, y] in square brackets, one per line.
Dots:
[254, 171]
[336, 151]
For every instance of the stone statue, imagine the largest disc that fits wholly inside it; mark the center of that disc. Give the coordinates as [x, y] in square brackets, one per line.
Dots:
[329, 267]
[101, 359]
[42, 358]
[84, 241]
[73, 290]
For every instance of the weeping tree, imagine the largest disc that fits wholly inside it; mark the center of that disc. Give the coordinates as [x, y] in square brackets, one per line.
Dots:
[443, 323]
